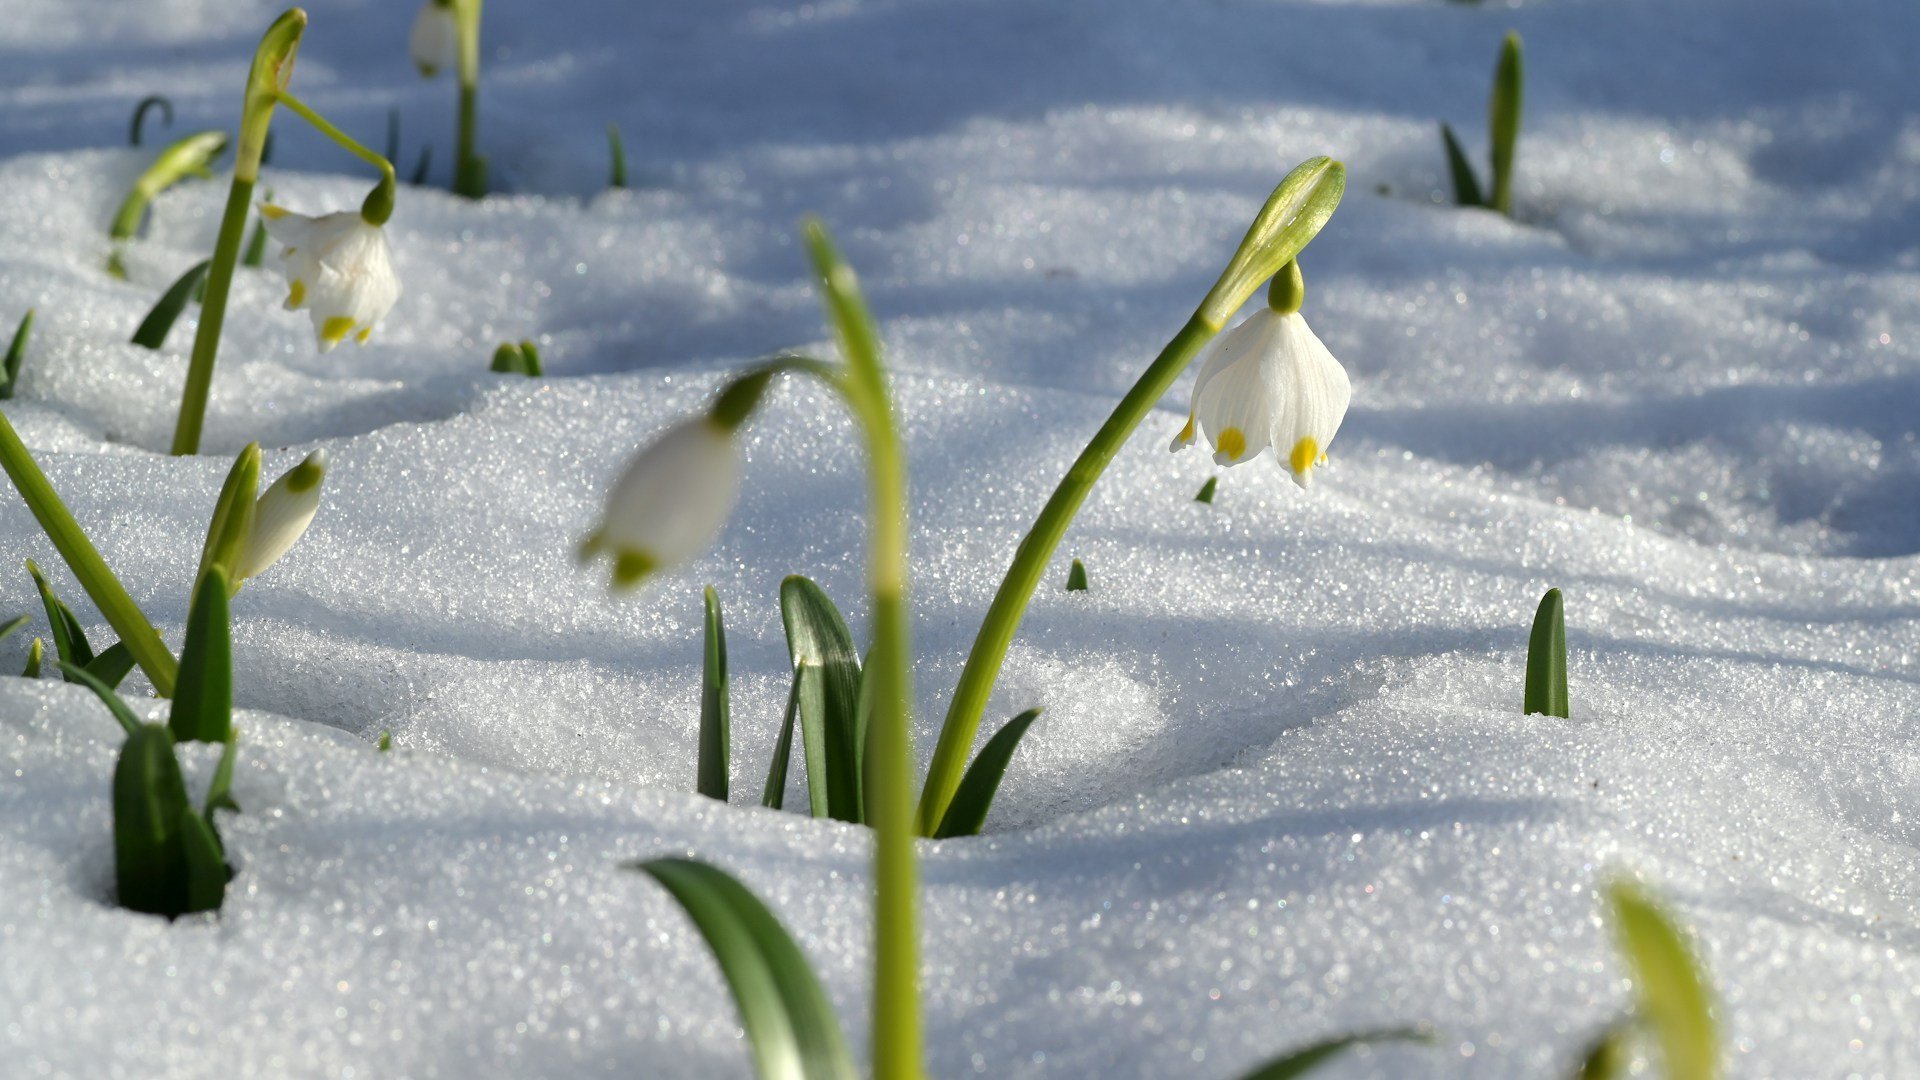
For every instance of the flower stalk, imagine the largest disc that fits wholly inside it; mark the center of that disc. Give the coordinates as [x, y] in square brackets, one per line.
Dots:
[1292, 216]
[469, 168]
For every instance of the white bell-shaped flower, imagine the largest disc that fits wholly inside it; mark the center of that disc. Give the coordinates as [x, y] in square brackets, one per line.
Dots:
[1268, 382]
[338, 268]
[282, 514]
[435, 41]
[670, 503]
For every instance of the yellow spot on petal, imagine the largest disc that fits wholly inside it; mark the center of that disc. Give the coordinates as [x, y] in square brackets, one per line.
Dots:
[1186, 433]
[272, 212]
[365, 333]
[1305, 453]
[336, 329]
[296, 294]
[630, 566]
[1231, 442]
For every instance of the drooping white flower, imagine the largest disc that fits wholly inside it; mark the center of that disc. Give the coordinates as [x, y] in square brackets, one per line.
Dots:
[1268, 382]
[435, 41]
[338, 268]
[670, 503]
[282, 514]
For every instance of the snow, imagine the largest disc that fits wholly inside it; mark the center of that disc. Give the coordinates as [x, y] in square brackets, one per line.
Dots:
[1281, 788]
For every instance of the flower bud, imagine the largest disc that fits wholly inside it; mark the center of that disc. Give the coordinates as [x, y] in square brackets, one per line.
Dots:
[338, 268]
[282, 515]
[670, 503]
[435, 41]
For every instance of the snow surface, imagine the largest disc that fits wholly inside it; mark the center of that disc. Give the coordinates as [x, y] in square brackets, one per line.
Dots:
[1282, 788]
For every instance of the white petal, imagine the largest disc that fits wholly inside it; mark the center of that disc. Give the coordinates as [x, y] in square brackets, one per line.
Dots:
[1229, 401]
[1308, 392]
[435, 40]
[340, 269]
[282, 515]
[672, 501]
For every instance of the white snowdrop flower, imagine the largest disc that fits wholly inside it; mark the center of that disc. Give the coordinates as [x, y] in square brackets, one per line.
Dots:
[435, 41]
[670, 503]
[337, 267]
[282, 515]
[1269, 382]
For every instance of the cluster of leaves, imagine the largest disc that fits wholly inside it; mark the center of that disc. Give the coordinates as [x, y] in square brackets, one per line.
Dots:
[1503, 129]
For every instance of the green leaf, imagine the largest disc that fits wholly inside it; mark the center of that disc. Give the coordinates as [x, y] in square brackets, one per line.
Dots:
[1547, 659]
[69, 640]
[1466, 189]
[1304, 1060]
[1672, 993]
[971, 801]
[256, 252]
[203, 696]
[393, 135]
[828, 667]
[149, 803]
[530, 356]
[135, 130]
[787, 1017]
[716, 725]
[220, 789]
[419, 176]
[1503, 121]
[619, 155]
[117, 707]
[13, 624]
[232, 520]
[774, 795]
[507, 360]
[186, 157]
[113, 664]
[1077, 577]
[1606, 1057]
[152, 332]
[16, 354]
[35, 653]
[1206, 490]
[204, 863]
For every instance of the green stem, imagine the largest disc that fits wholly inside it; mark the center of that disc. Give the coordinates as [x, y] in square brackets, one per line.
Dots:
[272, 67]
[378, 206]
[1030, 562]
[84, 560]
[469, 176]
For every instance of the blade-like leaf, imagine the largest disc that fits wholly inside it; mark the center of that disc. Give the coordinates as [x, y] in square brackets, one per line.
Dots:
[618, 152]
[117, 707]
[1672, 993]
[16, 355]
[1207, 489]
[1466, 189]
[113, 664]
[507, 360]
[220, 789]
[152, 332]
[205, 863]
[774, 795]
[13, 624]
[35, 654]
[232, 520]
[822, 650]
[1077, 577]
[69, 640]
[716, 726]
[203, 696]
[419, 176]
[149, 801]
[1503, 121]
[1305, 1060]
[787, 1017]
[1547, 659]
[1606, 1057]
[968, 810]
[530, 358]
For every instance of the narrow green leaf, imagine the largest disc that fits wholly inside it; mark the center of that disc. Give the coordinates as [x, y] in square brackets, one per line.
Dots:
[774, 795]
[113, 665]
[1606, 1057]
[152, 332]
[1077, 577]
[1547, 659]
[232, 520]
[971, 801]
[1304, 1060]
[16, 355]
[1503, 121]
[386, 742]
[135, 131]
[1206, 490]
[507, 360]
[203, 696]
[419, 176]
[13, 624]
[393, 135]
[1466, 189]
[530, 356]
[787, 1017]
[716, 725]
[69, 640]
[823, 653]
[220, 789]
[204, 863]
[149, 801]
[256, 252]
[619, 155]
[1672, 993]
[119, 709]
[35, 654]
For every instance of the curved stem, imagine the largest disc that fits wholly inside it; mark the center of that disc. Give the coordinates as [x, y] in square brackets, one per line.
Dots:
[379, 205]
